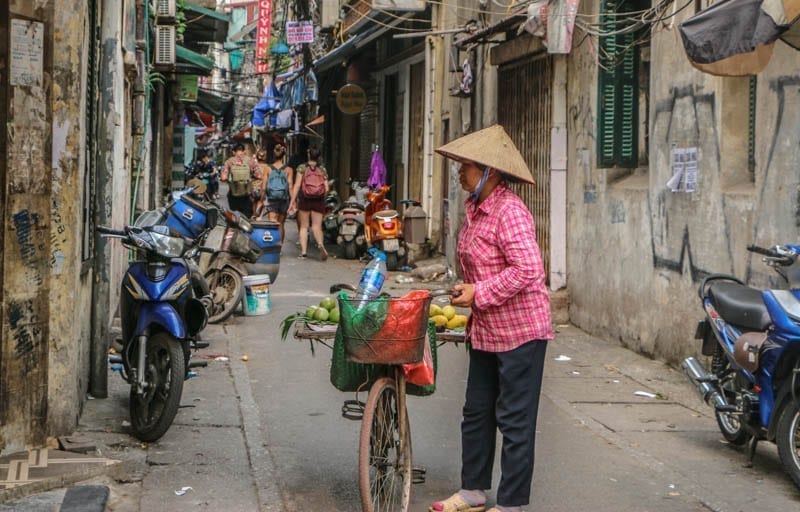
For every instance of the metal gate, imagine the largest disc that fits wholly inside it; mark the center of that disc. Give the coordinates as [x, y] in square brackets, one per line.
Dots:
[523, 109]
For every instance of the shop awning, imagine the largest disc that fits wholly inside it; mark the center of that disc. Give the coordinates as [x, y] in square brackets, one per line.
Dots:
[350, 47]
[218, 106]
[204, 26]
[193, 60]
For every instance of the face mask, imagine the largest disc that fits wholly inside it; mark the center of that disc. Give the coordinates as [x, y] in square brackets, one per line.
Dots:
[477, 192]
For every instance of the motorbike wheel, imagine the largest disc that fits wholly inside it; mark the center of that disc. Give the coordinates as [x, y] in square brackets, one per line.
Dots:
[730, 424]
[226, 292]
[152, 412]
[350, 250]
[391, 261]
[787, 437]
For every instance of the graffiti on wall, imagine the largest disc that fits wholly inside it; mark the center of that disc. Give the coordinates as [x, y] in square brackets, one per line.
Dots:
[31, 243]
[689, 117]
[25, 331]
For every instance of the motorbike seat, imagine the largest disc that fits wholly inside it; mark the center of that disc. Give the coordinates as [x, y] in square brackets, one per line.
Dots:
[385, 214]
[194, 203]
[740, 305]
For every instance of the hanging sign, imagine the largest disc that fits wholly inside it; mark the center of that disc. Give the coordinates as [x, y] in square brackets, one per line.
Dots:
[299, 32]
[262, 35]
[187, 86]
[351, 99]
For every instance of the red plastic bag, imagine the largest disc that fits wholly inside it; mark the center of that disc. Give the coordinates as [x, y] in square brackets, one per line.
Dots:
[421, 373]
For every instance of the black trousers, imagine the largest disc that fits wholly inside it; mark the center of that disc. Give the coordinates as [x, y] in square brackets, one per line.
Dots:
[502, 393]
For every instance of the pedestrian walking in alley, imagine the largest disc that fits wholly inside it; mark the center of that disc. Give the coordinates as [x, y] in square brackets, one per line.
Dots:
[258, 186]
[279, 180]
[205, 165]
[308, 198]
[509, 325]
[238, 171]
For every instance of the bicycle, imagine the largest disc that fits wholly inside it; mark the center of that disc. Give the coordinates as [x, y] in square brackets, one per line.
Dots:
[385, 470]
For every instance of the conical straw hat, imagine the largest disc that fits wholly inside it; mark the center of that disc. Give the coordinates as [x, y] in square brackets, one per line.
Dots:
[489, 147]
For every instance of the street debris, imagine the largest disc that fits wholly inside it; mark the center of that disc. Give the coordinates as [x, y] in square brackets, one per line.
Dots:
[436, 271]
[403, 279]
[126, 423]
[644, 394]
[221, 358]
[245, 358]
[182, 491]
[562, 357]
[576, 373]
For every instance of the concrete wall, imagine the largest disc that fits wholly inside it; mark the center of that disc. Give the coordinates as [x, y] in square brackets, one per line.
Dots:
[45, 290]
[637, 251]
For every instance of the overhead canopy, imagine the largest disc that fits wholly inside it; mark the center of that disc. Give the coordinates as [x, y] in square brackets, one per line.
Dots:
[204, 26]
[192, 62]
[736, 37]
[214, 104]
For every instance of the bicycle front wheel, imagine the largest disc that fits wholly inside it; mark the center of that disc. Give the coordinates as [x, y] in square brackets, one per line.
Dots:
[384, 452]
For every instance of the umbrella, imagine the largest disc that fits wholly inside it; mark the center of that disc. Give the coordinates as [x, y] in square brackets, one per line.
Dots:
[737, 37]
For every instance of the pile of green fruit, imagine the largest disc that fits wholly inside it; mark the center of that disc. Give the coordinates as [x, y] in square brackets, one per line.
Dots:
[326, 311]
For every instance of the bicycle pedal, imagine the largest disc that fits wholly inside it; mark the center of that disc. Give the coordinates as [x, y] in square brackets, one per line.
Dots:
[353, 410]
[418, 474]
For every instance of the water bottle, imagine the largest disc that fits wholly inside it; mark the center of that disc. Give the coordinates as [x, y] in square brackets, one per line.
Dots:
[372, 278]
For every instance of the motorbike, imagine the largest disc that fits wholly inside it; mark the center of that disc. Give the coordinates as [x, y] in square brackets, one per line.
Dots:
[330, 226]
[241, 247]
[161, 317]
[753, 339]
[350, 233]
[383, 228]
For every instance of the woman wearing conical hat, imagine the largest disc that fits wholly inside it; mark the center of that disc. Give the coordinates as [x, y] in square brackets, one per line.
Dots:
[509, 325]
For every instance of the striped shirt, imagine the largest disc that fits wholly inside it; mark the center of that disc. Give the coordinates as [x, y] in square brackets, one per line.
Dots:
[499, 256]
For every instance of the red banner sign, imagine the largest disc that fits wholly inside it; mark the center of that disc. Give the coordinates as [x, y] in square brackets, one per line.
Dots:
[262, 35]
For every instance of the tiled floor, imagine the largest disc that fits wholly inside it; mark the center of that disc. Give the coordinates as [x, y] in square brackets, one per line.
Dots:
[35, 465]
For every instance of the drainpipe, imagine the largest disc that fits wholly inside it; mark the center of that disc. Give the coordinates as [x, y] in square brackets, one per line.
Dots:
[109, 131]
[558, 176]
[427, 142]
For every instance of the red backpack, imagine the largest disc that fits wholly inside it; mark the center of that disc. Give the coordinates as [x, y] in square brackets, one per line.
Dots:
[313, 182]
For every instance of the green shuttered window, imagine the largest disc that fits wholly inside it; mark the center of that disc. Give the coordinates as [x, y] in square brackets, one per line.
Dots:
[618, 87]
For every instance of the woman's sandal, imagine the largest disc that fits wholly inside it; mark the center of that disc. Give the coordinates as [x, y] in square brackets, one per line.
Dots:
[456, 503]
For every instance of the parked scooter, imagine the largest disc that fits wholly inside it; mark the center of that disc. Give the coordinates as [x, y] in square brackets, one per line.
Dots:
[241, 248]
[161, 316]
[384, 228]
[753, 337]
[330, 226]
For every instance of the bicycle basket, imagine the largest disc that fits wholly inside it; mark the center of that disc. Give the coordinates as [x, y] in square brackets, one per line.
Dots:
[385, 330]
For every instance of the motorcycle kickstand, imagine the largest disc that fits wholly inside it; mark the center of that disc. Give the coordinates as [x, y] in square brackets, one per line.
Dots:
[751, 451]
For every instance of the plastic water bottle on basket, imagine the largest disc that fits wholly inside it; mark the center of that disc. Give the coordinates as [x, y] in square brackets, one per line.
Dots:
[372, 278]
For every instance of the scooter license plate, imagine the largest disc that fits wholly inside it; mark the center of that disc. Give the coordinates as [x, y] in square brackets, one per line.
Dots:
[349, 229]
[391, 245]
[330, 223]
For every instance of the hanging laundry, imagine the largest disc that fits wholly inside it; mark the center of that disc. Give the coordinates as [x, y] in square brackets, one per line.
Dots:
[377, 174]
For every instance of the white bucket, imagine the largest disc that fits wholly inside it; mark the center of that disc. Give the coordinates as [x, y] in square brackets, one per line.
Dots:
[256, 295]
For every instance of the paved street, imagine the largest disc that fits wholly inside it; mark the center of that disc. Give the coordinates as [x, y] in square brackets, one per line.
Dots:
[266, 433]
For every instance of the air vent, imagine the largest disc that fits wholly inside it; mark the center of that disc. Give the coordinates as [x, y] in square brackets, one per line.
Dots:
[165, 45]
[165, 11]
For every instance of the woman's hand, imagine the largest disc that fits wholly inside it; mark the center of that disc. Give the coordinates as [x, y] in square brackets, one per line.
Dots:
[464, 295]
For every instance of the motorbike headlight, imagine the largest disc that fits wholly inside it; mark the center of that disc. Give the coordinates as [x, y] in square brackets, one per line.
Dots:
[167, 246]
[245, 225]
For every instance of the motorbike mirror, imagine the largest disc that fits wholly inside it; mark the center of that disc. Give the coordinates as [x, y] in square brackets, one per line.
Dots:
[342, 286]
[197, 185]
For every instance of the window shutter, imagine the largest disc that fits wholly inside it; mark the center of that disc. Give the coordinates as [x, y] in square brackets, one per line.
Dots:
[628, 113]
[618, 89]
[607, 96]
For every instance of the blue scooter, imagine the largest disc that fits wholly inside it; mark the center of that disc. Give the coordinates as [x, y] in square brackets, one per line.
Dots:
[161, 317]
[753, 338]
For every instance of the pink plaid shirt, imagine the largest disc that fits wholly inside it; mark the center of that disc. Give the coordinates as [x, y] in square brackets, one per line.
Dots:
[499, 256]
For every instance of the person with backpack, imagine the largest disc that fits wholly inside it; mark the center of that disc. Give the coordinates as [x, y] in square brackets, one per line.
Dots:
[239, 171]
[308, 198]
[279, 181]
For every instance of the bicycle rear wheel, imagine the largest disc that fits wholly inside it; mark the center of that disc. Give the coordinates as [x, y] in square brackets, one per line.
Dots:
[384, 459]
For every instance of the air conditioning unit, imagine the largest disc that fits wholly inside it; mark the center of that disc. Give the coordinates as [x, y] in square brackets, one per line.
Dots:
[165, 45]
[165, 11]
